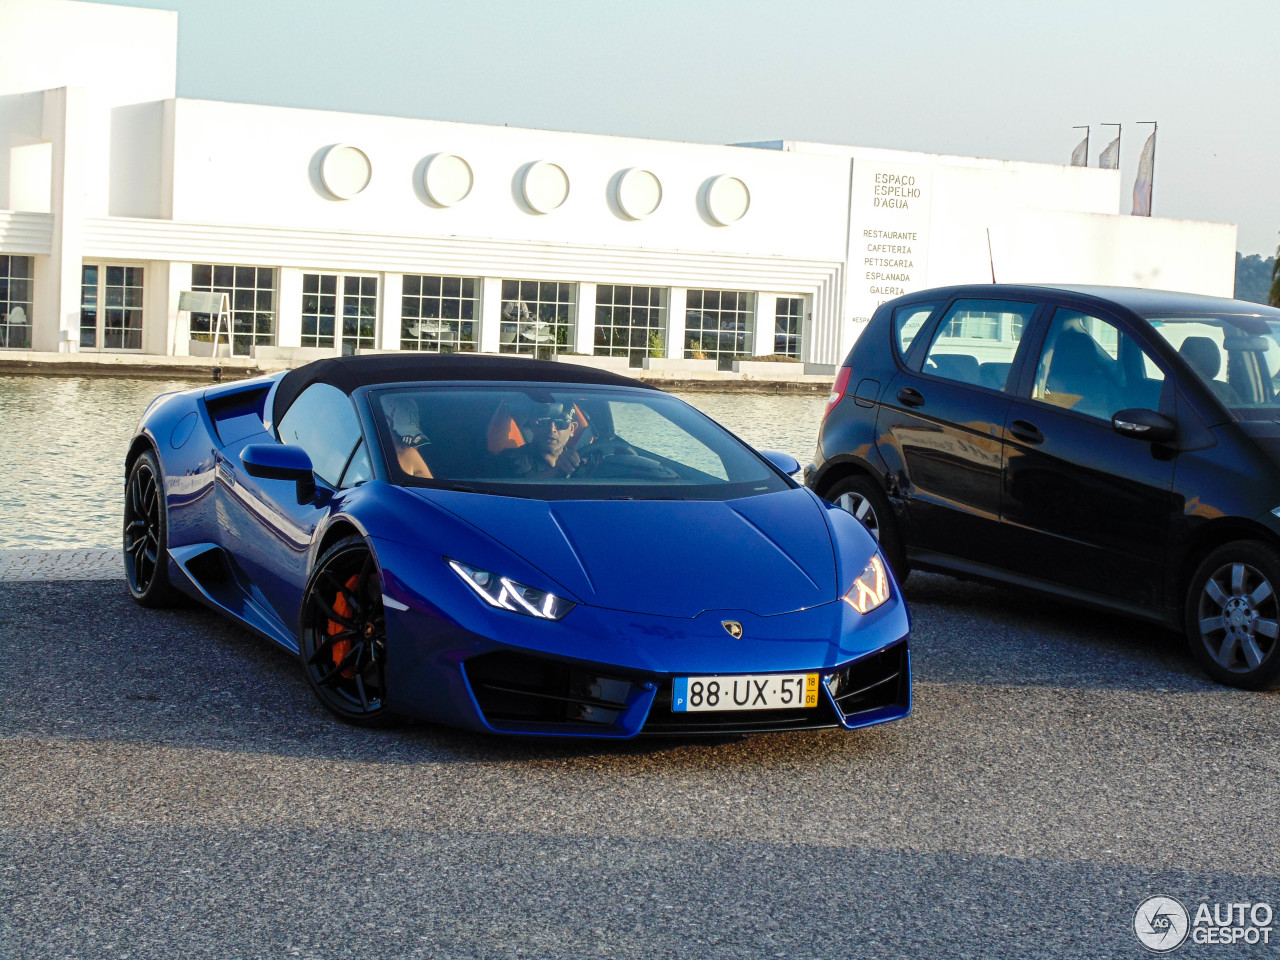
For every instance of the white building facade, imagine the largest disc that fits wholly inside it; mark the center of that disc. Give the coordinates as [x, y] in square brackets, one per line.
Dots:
[336, 233]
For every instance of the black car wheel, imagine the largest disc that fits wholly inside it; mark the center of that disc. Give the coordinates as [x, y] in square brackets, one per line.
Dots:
[146, 531]
[1233, 615]
[861, 497]
[344, 633]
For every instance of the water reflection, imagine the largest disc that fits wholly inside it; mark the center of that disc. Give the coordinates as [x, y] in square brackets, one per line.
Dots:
[63, 441]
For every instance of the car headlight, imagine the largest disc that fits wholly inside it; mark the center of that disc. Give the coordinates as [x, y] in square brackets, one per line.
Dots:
[506, 594]
[871, 588]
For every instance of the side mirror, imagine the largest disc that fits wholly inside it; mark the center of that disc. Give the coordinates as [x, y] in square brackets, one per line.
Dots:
[1144, 425]
[269, 461]
[783, 461]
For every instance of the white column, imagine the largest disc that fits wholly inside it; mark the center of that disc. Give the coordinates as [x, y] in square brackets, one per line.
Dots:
[389, 311]
[178, 324]
[289, 308]
[677, 297]
[490, 313]
[56, 297]
[584, 330]
[763, 324]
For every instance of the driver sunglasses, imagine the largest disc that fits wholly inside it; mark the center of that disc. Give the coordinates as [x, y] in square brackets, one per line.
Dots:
[560, 423]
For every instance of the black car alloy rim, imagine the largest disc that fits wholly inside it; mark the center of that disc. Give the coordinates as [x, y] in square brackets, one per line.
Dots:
[1239, 617]
[346, 633]
[142, 527]
[861, 508]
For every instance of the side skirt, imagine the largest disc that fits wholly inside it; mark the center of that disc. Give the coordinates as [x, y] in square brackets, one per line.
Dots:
[208, 576]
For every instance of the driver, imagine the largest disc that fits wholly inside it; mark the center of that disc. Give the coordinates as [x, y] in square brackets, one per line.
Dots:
[548, 454]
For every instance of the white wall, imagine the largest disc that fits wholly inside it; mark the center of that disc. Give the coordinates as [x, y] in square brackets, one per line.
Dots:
[252, 165]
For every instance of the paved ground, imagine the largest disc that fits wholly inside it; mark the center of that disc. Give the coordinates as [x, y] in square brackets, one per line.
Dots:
[168, 788]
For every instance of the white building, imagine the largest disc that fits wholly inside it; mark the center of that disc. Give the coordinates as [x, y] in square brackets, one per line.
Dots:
[336, 231]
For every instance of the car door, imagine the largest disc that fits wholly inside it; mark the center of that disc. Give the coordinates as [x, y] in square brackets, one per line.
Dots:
[940, 427]
[1084, 506]
[265, 528]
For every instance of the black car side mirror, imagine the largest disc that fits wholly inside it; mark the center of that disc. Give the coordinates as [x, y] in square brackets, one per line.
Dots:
[269, 461]
[1144, 424]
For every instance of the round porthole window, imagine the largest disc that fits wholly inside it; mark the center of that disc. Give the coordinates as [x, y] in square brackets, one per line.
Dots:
[345, 171]
[638, 193]
[545, 186]
[447, 179]
[727, 199]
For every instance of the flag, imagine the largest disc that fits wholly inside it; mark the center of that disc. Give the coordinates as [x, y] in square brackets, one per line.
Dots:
[1146, 174]
[1109, 159]
[1080, 155]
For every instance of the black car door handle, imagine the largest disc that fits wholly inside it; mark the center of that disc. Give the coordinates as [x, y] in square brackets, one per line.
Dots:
[911, 397]
[1027, 432]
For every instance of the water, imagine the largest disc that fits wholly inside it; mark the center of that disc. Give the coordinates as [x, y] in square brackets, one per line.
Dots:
[63, 442]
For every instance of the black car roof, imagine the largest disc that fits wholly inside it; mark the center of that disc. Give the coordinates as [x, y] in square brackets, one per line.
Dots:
[350, 373]
[1141, 301]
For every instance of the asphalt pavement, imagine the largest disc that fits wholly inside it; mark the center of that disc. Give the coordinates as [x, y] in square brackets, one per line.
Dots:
[170, 788]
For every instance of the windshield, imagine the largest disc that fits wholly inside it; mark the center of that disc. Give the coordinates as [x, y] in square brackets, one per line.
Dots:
[1237, 357]
[563, 442]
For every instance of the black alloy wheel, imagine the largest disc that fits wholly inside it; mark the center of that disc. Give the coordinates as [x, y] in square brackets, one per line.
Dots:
[344, 634]
[1233, 615]
[861, 497]
[146, 531]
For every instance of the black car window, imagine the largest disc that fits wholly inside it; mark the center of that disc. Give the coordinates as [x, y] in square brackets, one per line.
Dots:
[1236, 357]
[977, 341]
[323, 422]
[907, 322]
[1091, 366]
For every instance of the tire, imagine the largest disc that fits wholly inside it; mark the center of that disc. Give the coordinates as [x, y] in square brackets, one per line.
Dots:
[1232, 615]
[861, 497]
[343, 645]
[146, 535]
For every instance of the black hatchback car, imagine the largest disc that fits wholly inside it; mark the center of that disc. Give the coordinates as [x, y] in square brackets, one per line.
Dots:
[1111, 446]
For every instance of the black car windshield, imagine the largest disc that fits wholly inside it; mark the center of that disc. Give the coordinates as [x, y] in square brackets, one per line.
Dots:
[559, 442]
[1237, 357]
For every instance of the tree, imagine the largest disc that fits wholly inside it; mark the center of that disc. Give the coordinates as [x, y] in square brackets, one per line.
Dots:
[1274, 298]
[1254, 277]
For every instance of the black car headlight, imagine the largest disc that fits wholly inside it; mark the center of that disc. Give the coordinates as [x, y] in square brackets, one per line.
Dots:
[871, 589]
[506, 594]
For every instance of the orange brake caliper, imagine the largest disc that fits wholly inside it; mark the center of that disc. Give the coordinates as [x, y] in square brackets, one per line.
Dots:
[343, 609]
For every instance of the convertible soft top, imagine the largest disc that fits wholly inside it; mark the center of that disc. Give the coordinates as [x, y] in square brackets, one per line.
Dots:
[348, 373]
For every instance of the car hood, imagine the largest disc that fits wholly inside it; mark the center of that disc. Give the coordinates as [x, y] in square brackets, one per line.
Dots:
[768, 554]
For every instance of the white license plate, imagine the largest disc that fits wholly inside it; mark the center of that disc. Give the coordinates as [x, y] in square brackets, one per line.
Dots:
[768, 691]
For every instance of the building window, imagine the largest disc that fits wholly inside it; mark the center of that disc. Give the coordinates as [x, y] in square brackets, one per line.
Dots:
[717, 324]
[438, 314]
[253, 304]
[788, 322]
[110, 307]
[15, 302]
[322, 305]
[537, 317]
[319, 309]
[630, 322]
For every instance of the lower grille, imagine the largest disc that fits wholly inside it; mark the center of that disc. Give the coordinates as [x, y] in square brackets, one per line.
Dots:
[515, 689]
[880, 680]
[664, 720]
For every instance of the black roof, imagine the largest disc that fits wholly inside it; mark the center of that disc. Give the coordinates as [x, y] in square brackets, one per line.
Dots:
[349, 373]
[1139, 300]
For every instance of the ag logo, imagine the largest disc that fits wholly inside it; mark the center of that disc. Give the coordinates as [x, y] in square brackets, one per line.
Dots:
[734, 628]
[1161, 923]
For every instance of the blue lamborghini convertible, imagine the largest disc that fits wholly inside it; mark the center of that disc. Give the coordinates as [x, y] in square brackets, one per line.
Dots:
[516, 546]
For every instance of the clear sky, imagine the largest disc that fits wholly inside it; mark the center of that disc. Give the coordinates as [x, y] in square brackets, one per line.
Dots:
[979, 78]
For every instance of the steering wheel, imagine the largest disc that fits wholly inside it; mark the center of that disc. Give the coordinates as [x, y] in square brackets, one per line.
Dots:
[599, 450]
